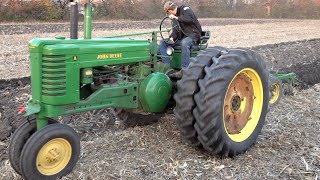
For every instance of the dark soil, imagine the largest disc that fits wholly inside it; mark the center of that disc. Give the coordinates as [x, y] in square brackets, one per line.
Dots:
[284, 55]
[14, 93]
[308, 73]
[301, 57]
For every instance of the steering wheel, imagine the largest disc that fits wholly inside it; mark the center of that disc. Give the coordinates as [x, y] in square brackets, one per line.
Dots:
[167, 26]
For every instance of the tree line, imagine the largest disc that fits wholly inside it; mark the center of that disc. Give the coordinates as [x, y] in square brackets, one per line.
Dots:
[58, 10]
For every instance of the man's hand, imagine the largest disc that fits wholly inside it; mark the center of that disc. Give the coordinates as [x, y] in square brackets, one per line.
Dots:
[171, 16]
[171, 40]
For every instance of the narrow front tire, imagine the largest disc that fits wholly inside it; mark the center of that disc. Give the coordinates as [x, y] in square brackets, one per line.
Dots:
[50, 153]
[19, 139]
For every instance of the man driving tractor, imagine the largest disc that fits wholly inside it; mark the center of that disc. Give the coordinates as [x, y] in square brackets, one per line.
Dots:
[187, 35]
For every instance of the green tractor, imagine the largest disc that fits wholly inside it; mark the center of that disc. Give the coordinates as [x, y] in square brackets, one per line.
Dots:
[220, 102]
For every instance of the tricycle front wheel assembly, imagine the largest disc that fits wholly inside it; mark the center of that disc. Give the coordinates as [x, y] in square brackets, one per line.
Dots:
[19, 139]
[50, 152]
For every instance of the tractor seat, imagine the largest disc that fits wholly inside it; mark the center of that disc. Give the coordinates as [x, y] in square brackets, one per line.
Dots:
[205, 36]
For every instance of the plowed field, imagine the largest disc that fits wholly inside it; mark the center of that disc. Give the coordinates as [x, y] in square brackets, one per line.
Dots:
[288, 148]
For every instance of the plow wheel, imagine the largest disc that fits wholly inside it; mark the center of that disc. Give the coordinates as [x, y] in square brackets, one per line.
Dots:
[186, 88]
[18, 140]
[276, 90]
[232, 102]
[50, 153]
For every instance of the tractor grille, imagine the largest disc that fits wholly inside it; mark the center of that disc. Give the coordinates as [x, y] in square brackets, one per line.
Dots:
[54, 75]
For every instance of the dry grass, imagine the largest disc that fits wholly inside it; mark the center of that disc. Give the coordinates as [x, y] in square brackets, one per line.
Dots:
[288, 148]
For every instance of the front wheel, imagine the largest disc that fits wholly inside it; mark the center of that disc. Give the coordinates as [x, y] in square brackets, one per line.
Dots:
[50, 153]
[232, 102]
[18, 140]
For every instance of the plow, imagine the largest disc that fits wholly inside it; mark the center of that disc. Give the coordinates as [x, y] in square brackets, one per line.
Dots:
[220, 103]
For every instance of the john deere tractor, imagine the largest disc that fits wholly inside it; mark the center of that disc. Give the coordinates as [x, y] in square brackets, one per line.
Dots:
[220, 102]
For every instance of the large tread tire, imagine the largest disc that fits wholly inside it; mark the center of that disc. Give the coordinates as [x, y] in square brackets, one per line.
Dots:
[210, 101]
[276, 90]
[50, 153]
[18, 140]
[186, 88]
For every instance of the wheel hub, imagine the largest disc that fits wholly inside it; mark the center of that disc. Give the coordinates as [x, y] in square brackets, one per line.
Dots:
[275, 93]
[54, 156]
[238, 104]
[235, 103]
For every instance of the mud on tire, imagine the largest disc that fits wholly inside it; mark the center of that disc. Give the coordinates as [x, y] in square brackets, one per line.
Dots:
[236, 84]
[186, 88]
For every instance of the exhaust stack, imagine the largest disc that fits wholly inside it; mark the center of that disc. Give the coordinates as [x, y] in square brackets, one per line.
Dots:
[74, 14]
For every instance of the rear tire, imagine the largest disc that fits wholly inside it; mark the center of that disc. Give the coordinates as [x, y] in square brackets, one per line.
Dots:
[232, 102]
[186, 88]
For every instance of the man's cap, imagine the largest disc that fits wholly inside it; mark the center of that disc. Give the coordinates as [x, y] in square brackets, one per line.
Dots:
[168, 5]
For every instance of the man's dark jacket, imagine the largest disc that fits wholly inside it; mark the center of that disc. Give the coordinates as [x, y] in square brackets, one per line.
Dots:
[189, 24]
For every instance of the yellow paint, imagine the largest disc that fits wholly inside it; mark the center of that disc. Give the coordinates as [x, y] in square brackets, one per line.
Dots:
[54, 156]
[257, 105]
[109, 56]
[243, 104]
[275, 94]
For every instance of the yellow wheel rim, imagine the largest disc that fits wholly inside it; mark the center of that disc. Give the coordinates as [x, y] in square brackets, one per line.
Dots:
[243, 104]
[54, 156]
[275, 93]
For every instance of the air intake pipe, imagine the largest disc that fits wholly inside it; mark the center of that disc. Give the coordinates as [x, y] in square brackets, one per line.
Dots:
[87, 21]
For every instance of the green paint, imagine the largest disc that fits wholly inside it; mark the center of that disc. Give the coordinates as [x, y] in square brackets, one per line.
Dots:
[41, 123]
[76, 75]
[291, 78]
[32, 107]
[86, 76]
[154, 92]
[88, 21]
[176, 60]
[106, 96]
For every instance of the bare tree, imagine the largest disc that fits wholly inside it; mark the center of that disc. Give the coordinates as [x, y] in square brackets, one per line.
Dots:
[61, 3]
